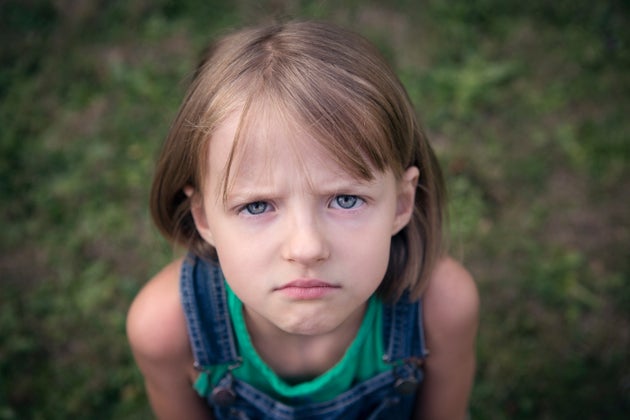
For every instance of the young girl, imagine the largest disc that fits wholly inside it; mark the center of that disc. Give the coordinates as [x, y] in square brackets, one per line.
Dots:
[311, 204]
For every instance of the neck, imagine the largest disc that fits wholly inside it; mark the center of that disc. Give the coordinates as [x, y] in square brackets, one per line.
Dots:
[296, 357]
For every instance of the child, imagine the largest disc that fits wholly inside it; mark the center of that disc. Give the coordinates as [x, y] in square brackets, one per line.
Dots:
[297, 176]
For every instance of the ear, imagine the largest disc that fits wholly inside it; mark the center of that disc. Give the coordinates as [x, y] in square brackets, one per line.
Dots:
[197, 209]
[405, 199]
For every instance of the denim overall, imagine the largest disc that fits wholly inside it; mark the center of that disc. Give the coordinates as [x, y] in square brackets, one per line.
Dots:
[388, 395]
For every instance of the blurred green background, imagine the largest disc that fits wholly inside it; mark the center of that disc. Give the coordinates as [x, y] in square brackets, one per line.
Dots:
[527, 105]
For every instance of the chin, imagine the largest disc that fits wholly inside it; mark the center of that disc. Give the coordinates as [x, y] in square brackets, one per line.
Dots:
[309, 327]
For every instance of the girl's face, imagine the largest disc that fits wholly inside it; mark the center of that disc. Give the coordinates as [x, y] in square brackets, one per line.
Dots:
[300, 242]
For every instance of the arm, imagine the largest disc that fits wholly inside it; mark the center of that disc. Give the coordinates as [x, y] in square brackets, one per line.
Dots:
[451, 312]
[156, 330]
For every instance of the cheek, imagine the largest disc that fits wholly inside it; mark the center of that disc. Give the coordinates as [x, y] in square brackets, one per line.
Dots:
[240, 254]
[369, 252]
[229, 248]
[237, 269]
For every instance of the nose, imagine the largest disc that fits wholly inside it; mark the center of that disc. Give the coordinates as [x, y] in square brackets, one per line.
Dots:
[305, 241]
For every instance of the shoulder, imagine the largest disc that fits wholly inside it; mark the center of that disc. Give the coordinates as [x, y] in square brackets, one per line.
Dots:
[451, 308]
[156, 326]
[451, 302]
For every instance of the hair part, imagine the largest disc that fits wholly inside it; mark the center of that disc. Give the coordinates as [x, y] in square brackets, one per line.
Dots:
[336, 86]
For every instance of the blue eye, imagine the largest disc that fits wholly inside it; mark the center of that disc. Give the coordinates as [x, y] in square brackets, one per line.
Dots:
[257, 207]
[346, 202]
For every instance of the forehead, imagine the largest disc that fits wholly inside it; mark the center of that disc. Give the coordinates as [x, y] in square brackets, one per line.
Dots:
[242, 145]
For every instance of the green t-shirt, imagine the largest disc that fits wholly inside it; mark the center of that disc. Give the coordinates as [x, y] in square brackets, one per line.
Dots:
[362, 360]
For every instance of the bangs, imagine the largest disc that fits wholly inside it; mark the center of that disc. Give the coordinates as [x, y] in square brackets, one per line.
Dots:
[326, 115]
[339, 116]
[333, 92]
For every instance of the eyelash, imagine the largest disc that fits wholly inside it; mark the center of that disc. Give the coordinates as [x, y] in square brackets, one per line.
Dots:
[248, 207]
[334, 203]
[356, 201]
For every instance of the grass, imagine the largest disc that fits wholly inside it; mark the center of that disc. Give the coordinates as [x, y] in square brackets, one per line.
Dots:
[526, 105]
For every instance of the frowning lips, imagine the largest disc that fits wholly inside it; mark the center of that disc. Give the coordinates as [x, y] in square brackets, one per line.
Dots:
[307, 289]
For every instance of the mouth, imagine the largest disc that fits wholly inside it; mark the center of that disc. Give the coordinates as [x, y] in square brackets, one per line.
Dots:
[305, 289]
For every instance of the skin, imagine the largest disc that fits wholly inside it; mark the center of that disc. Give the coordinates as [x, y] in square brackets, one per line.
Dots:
[300, 219]
[451, 317]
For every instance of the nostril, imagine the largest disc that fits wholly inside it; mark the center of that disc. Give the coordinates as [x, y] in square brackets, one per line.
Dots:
[306, 245]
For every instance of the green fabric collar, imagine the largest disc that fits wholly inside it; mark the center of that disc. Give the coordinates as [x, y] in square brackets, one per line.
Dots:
[362, 360]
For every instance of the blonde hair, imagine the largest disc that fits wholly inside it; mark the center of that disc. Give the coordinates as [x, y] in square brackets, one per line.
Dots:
[343, 93]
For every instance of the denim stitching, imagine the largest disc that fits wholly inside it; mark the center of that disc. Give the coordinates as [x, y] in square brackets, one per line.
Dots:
[207, 283]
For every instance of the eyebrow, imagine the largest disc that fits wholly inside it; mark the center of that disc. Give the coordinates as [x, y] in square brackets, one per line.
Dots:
[333, 187]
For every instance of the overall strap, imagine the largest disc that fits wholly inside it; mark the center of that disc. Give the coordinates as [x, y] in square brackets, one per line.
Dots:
[204, 300]
[403, 330]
